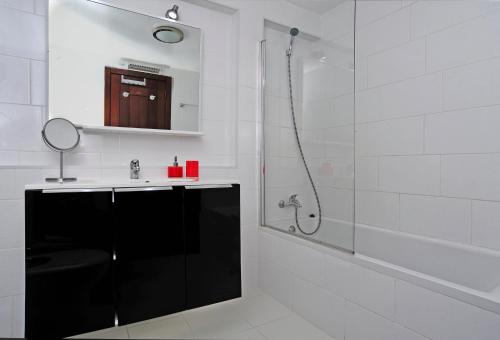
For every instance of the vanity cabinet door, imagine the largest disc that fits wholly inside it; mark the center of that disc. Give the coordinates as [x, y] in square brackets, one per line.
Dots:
[150, 253]
[69, 244]
[212, 222]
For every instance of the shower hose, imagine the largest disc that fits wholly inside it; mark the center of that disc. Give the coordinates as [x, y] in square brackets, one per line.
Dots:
[289, 56]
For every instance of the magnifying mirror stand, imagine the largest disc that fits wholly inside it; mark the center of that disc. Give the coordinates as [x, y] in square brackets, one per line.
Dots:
[61, 178]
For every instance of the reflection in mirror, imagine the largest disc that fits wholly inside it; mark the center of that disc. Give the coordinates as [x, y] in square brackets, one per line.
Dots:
[113, 67]
[60, 135]
[168, 34]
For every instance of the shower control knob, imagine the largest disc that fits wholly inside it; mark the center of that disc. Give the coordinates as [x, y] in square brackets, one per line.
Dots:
[281, 204]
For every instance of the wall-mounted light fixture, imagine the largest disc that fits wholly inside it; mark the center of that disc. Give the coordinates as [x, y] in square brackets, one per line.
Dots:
[172, 13]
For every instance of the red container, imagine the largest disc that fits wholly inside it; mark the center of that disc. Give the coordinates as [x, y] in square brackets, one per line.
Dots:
[175, 171]
[192, 169]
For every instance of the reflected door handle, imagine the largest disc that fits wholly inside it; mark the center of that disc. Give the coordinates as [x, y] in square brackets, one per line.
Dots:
[133, 82]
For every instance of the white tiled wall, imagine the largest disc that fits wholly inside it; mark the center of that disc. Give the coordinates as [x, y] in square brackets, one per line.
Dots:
[426, 119]
[439, 317]
[427, 163]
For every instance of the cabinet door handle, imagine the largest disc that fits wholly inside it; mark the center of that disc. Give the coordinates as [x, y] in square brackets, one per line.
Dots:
[208, 186]
[61, 191]
[143, 189]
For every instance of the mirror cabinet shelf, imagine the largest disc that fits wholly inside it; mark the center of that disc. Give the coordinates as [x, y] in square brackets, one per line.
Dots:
[112, 129]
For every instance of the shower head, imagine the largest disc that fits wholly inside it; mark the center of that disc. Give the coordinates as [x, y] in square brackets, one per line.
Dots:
[294, 31]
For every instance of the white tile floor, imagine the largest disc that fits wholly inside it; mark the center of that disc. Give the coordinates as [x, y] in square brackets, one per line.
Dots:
[256, 318]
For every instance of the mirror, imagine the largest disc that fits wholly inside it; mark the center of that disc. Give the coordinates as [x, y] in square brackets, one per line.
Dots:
[60, 135]
[110, 67]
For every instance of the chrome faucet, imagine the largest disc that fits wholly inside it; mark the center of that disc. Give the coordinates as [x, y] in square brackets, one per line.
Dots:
[292, 202]
[134, 169]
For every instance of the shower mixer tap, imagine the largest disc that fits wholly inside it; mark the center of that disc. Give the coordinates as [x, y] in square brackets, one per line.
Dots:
[292, 202]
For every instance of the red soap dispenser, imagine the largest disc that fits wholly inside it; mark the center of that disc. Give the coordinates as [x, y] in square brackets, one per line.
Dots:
[175, 171]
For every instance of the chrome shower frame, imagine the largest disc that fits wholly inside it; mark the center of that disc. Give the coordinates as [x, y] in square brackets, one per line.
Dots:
[262, 146]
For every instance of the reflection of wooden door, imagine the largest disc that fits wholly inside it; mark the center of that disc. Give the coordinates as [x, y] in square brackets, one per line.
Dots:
[137, 99]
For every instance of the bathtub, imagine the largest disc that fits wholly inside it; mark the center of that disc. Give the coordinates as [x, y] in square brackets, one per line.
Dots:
[464, 272]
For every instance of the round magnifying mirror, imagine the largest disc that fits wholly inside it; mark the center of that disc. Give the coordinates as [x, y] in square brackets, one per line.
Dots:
[60, 135]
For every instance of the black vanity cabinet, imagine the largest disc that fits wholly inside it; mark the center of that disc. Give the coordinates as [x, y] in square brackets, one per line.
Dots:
[150, 253]
[97, 256]
[212, 222]
[69, 244]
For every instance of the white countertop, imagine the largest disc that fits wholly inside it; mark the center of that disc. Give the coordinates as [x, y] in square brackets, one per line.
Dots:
[128, 183]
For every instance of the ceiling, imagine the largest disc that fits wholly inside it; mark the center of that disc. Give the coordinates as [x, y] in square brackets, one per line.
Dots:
[318, 6]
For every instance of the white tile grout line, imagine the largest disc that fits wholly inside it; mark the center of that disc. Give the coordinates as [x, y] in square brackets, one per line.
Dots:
[445, 69]
[427, 35]
[256, 328]
[263, 335]
[471, 219]
[291, 312]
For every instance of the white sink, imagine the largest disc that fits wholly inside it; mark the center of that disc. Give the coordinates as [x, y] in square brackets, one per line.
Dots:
[160, 180]
[126, 183]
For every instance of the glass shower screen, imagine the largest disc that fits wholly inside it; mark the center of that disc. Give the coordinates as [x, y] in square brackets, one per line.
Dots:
[307, 158]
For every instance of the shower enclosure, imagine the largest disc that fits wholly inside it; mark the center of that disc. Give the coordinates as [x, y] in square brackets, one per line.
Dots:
[307, 151]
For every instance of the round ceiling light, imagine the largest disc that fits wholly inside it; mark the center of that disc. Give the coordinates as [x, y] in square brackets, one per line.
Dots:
[168, 34]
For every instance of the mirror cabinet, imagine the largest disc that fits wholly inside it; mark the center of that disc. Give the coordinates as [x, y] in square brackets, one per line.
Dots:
[111, 68]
